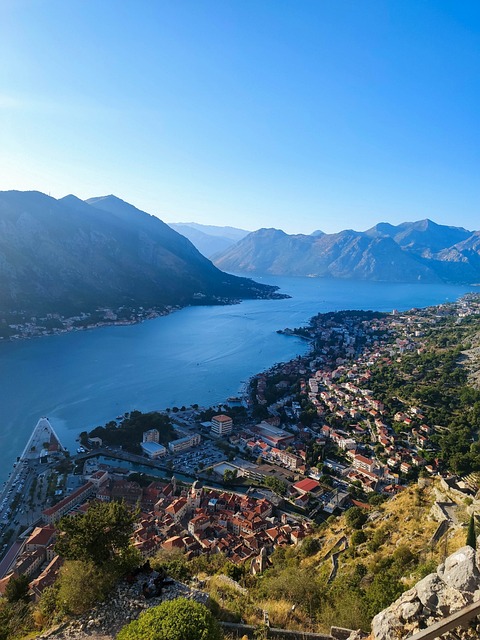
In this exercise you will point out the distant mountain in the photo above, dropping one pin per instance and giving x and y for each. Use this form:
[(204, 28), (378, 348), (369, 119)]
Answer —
[(422, 237), (411, 252), (69, 255), (208, 239)]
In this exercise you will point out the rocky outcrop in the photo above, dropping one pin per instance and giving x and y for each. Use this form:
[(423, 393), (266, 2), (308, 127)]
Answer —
[(455, 584), (126, 603)]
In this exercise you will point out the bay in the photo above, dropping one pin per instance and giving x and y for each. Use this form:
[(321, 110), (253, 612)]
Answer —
[(196, 355)]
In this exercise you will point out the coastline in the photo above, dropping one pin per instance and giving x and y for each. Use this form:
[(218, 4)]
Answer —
[(106, 317)]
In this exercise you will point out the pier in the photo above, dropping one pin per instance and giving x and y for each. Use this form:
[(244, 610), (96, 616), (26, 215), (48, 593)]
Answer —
[(43, 434)]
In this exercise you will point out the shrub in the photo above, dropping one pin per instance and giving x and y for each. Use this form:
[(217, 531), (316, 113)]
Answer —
[(355, 518), (357, 537), (179, 619)]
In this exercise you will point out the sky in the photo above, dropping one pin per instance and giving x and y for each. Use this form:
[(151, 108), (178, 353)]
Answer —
[(294, 114)]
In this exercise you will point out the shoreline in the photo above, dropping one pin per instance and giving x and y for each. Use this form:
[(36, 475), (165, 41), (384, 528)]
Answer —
[(31, 329)]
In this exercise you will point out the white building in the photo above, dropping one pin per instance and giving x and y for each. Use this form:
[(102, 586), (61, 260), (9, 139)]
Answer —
[(153, 450), (184, 443), (222, 425)]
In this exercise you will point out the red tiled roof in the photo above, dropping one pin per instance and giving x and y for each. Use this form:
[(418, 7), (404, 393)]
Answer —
[(306, 485)]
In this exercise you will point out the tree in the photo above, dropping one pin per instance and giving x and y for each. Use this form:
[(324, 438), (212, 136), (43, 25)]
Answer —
[(179, 619), (81, 585), (229, 476), (355, 518), (101, 534), (357, 537), (310, 546), (471, 534), (276, 485), (17, 589)]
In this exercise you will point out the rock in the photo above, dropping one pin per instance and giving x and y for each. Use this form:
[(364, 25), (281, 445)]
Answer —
[(357, 635), (438, 597), (428, 589), (461, 571), (385, 625), (409, 610)]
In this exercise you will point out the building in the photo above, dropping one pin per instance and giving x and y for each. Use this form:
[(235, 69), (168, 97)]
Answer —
[(152, 449), (290, 460), (363, 463), (222, 425), (82, 494), (187, 442), (152, 435), (273, 436), (306, 486)]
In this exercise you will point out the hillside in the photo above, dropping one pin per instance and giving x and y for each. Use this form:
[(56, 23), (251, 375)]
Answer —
[(420, 251), (69, 256), (352, 568)]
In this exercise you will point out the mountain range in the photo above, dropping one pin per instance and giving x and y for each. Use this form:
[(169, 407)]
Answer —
[(70, 255), (421, 251), (209, 239)]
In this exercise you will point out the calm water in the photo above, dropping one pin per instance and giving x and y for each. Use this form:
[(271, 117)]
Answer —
[(197, 355)]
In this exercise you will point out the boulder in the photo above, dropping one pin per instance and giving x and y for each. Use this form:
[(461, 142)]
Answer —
[(386, 625), (461, 572)]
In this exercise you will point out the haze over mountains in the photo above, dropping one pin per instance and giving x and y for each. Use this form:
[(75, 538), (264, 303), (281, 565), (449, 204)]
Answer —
[(69, 256), (209, 239), (421, 251)]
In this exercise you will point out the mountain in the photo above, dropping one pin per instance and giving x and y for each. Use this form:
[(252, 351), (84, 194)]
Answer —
[(348, 254), (420, 251), (209, 239), (69, 256), (422, 237)]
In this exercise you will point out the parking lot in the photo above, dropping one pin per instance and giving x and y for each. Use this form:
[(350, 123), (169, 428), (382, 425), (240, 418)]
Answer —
[(200, 457)]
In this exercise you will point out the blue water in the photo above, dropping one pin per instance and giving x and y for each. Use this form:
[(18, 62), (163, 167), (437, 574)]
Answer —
[(196, 355)]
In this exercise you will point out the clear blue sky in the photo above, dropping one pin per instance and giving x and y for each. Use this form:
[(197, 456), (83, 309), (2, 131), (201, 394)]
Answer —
[(298, 114)]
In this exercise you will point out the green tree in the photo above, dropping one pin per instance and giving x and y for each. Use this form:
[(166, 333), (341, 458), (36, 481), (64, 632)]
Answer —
[(179, 619), (101, 534), (276, 485), (310, 546), (229, 476), (17, 589), (355, 518), (471, 534), (81, 584), (357, 537), (233, 571)]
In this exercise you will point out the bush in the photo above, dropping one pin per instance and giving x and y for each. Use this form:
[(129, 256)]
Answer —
[(355, 518), (310, 546), (357, 537), (179, 619), (403, 556)]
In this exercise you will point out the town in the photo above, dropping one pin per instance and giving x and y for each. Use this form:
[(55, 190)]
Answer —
[(310, 439)]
